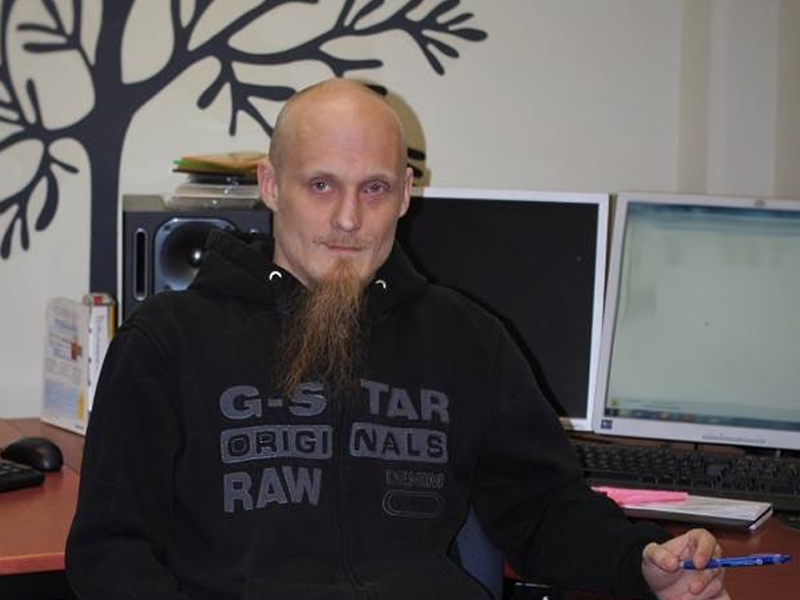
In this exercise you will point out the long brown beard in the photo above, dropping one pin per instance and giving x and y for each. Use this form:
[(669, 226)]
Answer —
[(321, 338)]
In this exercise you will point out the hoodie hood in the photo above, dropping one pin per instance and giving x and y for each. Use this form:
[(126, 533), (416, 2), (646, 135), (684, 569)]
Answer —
[(240, 265)]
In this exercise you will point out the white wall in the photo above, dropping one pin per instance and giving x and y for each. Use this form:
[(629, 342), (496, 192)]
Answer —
[(739, 93), (787, 122), (742, 98), (697, 96)]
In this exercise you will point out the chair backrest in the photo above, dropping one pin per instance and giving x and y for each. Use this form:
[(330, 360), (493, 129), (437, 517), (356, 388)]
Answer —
[(479, 557)]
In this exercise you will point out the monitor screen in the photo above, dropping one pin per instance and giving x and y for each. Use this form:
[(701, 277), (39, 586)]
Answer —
[(702, 327), (530, 258)]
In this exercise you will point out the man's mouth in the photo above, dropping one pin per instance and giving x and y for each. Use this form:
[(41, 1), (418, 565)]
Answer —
[(343, 248)]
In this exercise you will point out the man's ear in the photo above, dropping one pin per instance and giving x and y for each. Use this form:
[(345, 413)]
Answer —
[(267, 183), (408, 183)]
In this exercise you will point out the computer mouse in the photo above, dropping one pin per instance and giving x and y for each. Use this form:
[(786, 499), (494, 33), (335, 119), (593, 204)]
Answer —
[(37, 452)]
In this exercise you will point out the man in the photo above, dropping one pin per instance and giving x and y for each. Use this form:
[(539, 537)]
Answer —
[(314, 420)]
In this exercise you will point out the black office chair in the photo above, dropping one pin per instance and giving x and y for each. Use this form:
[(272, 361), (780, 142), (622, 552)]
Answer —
[(479, 557)]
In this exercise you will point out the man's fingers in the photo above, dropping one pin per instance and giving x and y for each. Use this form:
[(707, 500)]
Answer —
[(704, 547), (697, 546), (709, 580), (661, 557), (713, 589)]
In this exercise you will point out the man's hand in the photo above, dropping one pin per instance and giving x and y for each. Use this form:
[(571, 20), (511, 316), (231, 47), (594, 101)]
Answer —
[(661, 567)]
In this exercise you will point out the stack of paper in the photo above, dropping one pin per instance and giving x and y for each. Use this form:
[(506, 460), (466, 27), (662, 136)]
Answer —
[(217, 180), (688, 508), (241, 164)]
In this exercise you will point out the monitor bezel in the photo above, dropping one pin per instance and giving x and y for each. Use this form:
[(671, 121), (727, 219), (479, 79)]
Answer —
[(663, 430), (603, 203)]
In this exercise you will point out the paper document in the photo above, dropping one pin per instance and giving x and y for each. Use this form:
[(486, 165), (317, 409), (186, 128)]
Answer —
[(705, 510)]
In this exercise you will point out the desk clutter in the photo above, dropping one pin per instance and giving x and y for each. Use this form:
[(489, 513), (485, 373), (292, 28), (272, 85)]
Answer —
[(664, 505), (217, 180), (23, 461), (703, 487), (77, 336), (770, 479), (15, 476)]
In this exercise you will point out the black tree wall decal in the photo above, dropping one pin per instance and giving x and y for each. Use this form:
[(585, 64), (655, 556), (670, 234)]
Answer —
[(102, 129)]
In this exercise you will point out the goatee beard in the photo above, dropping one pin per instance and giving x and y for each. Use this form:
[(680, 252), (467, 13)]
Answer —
[(321, 340)]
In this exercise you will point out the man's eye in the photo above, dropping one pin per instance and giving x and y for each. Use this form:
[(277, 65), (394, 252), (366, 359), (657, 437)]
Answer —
[(377, 187), (320, 186)]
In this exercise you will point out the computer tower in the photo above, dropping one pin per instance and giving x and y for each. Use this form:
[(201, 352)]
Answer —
[(163, 245)]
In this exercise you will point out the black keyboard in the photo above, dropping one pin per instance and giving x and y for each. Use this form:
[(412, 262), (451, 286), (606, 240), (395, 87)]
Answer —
[(14, 476), (702, 472)]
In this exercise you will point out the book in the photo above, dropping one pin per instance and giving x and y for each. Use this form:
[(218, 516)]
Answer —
[(65, 365), (77, 337), (102, 325), (704, 510), (241, 162)]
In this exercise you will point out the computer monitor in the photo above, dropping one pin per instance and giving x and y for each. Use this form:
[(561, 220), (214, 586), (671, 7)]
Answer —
[(534, 259), (702, 328)]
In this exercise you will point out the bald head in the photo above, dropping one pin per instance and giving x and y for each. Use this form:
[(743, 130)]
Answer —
[(333, 99), (336, 180)]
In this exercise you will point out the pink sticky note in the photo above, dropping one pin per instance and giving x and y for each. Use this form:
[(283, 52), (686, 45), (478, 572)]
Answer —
[(635, 496)]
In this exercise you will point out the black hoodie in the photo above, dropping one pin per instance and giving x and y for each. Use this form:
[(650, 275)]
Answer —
[(200, 481)]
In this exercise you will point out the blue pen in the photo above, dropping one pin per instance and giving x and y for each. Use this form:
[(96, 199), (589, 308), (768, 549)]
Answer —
[(752, 560)]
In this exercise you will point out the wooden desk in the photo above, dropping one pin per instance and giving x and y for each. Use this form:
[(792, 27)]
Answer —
[(778, 582), (35, 521)]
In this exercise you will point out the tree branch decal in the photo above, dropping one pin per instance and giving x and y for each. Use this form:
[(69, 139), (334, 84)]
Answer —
[(434, 27)]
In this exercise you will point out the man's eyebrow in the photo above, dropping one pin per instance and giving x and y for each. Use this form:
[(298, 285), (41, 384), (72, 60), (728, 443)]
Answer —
[(316, 173), (387, 176), (380, 179)]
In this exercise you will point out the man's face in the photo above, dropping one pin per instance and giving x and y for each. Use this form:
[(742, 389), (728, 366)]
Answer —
[(339, 188)]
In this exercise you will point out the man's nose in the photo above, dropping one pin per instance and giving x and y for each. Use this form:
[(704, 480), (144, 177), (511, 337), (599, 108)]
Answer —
[(347, 215)]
